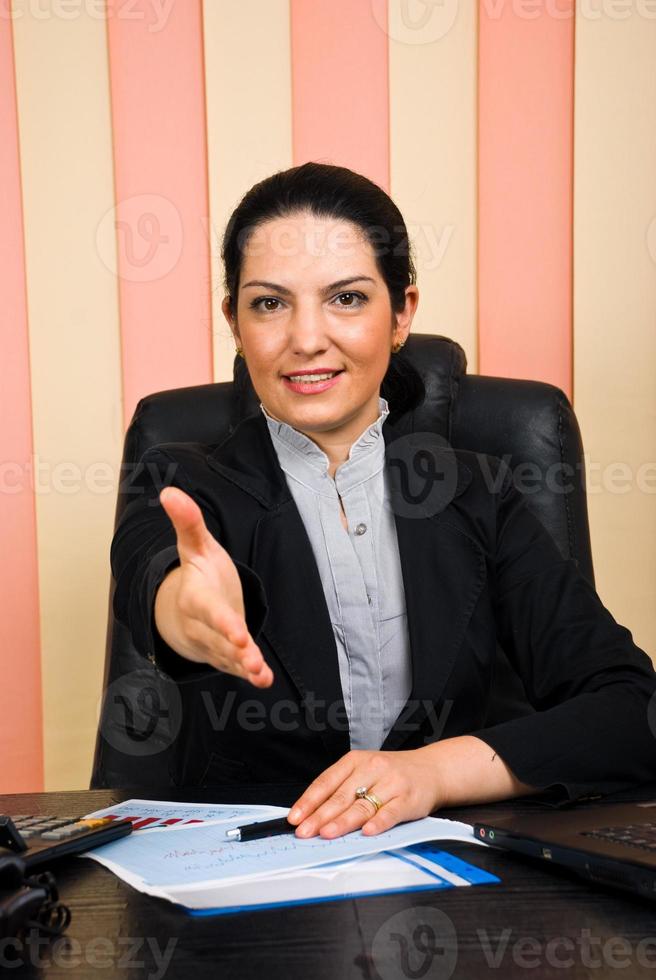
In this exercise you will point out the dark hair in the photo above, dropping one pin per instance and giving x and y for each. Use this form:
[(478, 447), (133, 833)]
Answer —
[(334, 192)]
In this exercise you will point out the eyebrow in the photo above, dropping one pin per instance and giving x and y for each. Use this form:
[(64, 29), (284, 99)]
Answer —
[(327, 289)]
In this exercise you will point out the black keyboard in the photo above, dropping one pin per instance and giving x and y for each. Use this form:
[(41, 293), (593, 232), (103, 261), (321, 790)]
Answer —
[(39, 839), (642, 835)]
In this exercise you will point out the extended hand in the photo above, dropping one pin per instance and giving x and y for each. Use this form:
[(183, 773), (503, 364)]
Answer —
[(199, 607)]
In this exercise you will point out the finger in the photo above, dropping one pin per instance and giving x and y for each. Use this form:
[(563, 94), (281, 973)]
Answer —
[(243, 658), (230, 662), (264, 678), (187, 519), (338, 803), (344, 810), (248, 663), (256, 669), (204, 606), (221, 654), (321, 788), (362, 813), (387, 817), (245, 662)]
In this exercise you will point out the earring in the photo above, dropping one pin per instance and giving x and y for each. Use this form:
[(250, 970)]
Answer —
[(240, 352), (397, 347)]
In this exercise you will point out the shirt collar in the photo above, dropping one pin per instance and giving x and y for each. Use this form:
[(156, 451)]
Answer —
[(302, 458)]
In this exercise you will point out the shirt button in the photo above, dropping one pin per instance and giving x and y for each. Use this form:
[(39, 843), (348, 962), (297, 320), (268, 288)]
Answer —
[(360, 528)]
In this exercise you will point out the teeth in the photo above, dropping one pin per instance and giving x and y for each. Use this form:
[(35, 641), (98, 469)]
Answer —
[(311, 377)]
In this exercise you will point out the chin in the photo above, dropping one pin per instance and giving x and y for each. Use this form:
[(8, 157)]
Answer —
[(315, 421)]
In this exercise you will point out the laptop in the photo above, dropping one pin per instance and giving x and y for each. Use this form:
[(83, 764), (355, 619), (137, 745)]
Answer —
[(612, 844)]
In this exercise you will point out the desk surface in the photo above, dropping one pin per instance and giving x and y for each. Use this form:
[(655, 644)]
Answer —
[(537, 923)]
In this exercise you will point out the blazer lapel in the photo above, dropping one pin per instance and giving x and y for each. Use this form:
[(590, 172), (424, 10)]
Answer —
[(298, 625), (443, 571)]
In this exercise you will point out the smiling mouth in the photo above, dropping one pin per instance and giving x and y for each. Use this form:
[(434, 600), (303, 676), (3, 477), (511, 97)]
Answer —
[(312, 378)]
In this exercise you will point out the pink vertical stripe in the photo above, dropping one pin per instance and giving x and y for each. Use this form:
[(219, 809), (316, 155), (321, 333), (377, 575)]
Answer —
[(526, 83), (340, 100), (160, 158), (21, 720)]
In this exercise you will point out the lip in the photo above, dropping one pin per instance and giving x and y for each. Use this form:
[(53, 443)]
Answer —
[(311, 387), (319, 370)]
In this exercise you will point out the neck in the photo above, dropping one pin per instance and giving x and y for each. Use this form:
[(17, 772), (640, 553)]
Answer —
[(337, 452), (336, 443)]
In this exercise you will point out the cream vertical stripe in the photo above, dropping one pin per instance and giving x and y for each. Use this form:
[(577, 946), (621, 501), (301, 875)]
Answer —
[(249, 134), (433, 80), (615, 303), (64, 125)]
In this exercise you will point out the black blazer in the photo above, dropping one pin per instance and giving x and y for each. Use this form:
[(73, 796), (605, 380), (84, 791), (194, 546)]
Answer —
[(480, 568)]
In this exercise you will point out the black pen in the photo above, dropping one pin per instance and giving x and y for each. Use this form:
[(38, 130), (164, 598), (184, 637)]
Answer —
[(265, 828)]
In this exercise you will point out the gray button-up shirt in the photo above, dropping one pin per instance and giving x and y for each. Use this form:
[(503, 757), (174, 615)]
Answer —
[(360, 570)]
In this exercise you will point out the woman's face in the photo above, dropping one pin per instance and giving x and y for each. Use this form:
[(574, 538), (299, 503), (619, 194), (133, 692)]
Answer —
[(311, 297)]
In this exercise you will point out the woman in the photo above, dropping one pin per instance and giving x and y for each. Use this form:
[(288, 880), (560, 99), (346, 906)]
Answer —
[(281, 564)]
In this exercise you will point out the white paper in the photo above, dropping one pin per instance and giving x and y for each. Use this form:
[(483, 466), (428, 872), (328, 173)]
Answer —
[(188, 856), (193, 863), (163, 810), (362, 876)]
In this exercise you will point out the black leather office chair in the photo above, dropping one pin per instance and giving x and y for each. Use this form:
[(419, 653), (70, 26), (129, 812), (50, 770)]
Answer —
[(527, 423)]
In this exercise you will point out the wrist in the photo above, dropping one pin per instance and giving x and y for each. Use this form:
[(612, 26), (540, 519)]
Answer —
[(165, 608), (435, 756)]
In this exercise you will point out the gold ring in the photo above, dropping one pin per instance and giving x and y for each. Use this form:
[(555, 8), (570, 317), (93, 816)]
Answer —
[(362, 793)]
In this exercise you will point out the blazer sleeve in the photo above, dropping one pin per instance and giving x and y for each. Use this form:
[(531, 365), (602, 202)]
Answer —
[(594, 728), (144, 550)]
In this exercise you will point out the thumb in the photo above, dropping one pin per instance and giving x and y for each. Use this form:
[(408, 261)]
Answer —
[(187, 519)]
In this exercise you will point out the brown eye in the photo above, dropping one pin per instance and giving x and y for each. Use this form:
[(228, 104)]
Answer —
[(256, 304), (355, 300)]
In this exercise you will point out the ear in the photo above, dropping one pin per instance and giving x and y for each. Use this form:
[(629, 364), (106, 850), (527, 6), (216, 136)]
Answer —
[(403, 319), (232, 322)]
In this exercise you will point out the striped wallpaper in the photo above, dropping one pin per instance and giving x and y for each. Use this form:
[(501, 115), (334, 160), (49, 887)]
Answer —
[(518, 137)]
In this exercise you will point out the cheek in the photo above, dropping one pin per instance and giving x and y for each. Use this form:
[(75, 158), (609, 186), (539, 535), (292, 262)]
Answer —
[(264, 354), (374, 350)]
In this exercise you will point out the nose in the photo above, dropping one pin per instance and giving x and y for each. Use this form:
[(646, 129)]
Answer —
[(308, 331)]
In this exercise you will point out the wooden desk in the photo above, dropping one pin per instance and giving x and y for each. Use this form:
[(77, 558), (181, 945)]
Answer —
[(538, 916)]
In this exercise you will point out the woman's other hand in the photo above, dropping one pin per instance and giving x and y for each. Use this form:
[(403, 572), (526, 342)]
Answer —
[(199, 606), (456, 771), (406, 783)]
